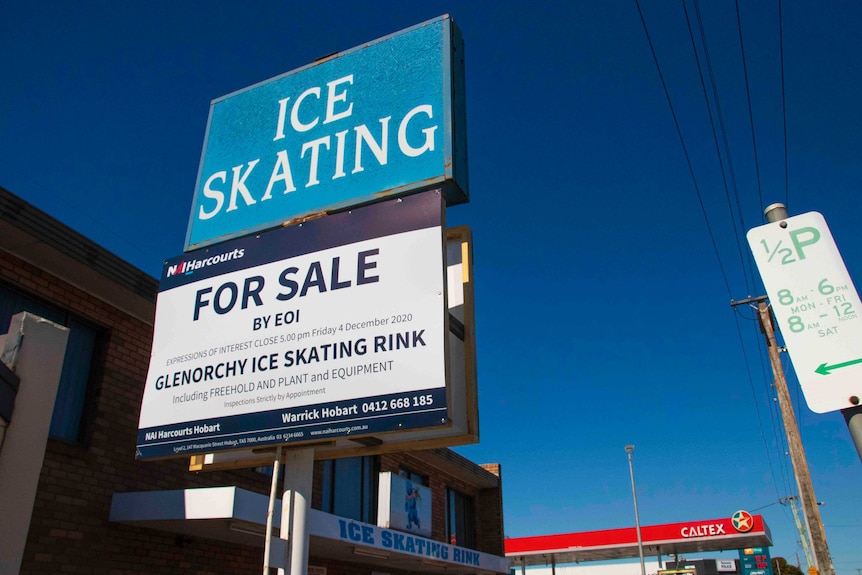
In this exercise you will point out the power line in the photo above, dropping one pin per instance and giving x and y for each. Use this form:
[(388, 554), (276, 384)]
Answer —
[(783, 102), (746, 270), (778, 430), (778, 437), (684, 149), (700, 197), (732, 172), (750, 110), (756, 405), (764, 506)]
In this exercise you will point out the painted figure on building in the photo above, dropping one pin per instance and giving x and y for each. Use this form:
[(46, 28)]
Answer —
[(411, 505)]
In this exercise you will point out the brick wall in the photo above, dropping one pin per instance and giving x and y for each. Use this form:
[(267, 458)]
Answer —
[(490, 502), (69, 531)]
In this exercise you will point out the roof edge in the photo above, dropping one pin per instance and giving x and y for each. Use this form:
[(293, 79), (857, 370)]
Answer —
[(33, 236)]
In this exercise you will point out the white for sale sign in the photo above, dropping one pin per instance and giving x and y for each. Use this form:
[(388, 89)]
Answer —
[(331, 328)]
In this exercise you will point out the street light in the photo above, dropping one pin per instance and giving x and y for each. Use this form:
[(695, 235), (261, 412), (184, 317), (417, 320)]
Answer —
[(629, 450)]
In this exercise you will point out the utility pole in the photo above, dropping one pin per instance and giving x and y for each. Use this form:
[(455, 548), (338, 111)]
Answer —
[(804, 537), (797, 453), (629, 450)]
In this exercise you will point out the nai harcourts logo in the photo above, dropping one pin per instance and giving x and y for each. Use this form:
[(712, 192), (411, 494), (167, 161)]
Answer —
[(186, 267)]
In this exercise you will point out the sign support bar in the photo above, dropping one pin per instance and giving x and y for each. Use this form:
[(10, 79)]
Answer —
[(853, 417), (295, 509), (270, 509)]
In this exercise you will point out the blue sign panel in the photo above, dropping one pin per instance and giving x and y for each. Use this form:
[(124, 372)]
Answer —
[(383, 119)]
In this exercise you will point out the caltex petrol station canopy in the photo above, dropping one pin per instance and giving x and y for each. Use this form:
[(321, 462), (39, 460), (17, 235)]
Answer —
[(740, 531)]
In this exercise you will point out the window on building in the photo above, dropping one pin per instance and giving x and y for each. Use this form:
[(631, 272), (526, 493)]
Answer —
[(350, 488), (71, 404), (460, 519), (413, 476)]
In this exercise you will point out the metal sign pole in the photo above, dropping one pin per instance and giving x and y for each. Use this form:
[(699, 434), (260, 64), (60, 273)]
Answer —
[(295, 509), (268, 541), (853, 417)]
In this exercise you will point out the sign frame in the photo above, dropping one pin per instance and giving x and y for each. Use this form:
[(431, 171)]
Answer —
[(463, 401), (396, 226)]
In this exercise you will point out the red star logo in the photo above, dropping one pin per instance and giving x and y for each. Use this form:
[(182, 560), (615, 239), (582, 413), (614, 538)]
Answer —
[(742, 521)]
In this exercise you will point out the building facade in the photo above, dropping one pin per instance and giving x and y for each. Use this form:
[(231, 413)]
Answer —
[(79, 522)]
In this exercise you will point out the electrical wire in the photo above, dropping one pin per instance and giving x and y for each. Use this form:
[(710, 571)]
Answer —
[(774, 419), (777, 425), (783, 102), (684, 150), (765, 506), (750, 110), (778, 436), (740, 213), (757, 407), (712, 121)]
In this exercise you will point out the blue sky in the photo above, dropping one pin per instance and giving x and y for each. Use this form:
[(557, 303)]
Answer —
[(603, 313)]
